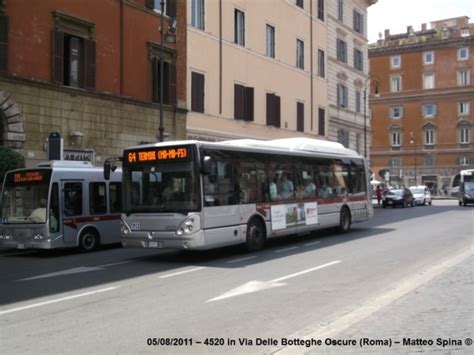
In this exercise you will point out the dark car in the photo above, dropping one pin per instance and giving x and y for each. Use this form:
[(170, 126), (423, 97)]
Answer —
[(466, 193), (398, 197)]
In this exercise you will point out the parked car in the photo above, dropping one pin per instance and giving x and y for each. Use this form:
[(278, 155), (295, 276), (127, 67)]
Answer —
[(421, 194), (398, 197), (466, 193)]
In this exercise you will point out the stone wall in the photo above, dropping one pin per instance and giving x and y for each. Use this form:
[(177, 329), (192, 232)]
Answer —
[(30, 111)]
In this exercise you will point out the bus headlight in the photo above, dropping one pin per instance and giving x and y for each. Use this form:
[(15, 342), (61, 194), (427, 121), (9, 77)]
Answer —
[(1, 236), (7, 236), (189, 226)]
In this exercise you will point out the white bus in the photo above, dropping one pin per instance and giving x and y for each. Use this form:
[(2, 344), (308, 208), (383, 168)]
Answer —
[(60, 204), (202, 195)]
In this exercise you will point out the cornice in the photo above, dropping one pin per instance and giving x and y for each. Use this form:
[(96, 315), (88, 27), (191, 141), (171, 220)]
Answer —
[(422, 95), (376, 51)]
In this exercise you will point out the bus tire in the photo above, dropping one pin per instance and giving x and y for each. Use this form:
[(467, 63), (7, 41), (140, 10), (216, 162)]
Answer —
[(345, 220), (255, 238), (89, 240)]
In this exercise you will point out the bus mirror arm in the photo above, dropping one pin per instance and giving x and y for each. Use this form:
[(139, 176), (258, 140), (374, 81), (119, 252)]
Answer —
[(110, 166)]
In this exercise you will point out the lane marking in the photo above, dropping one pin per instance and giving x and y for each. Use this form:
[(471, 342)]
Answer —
[(76, 270), (241, 259), (57, 300), (255, 286), (378, 302), (313, 243), (306, 271), (286, 249), (117, 263), (181, 272)]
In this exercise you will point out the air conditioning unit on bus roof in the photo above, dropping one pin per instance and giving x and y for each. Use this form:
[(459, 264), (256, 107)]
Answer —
[(300, 144), (65, 164)]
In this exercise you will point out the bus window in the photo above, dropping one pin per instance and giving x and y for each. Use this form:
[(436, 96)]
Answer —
[(54, 209), (72, 199), (115, 195), (219, 188), (97, 198)]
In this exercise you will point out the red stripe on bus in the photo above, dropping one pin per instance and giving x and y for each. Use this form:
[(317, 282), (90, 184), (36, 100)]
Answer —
[(72, 222), (321, 201)]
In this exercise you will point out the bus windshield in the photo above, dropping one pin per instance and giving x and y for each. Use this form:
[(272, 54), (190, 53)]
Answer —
[(161, 187), (25, 196)]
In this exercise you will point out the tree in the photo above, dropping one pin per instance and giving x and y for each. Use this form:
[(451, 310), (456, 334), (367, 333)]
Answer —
[(9, 160)]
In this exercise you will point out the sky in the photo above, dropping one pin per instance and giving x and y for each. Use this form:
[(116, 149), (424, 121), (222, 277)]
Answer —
[(396, 15)]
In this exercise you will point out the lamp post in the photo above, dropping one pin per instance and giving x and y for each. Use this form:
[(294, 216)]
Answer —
[(413, 141), (162, 128), (376, 81)]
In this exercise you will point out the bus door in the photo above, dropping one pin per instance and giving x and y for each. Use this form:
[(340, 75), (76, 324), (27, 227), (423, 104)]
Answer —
[(72, 209)]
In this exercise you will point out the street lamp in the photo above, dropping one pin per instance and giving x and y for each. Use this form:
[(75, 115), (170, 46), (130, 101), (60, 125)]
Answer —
[(376, 81), (413, 141), (162, 128), (169, 38)]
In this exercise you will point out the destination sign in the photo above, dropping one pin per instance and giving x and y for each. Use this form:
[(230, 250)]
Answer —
[(157, 154), (28, 177)]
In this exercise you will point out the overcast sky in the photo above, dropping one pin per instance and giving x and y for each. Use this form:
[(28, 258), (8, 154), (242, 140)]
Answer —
[(396, 15)]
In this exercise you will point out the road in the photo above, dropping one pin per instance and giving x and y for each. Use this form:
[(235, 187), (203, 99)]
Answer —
[(405, 276)]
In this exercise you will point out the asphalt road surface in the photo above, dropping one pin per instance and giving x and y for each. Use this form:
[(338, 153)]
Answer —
[(401, 282)]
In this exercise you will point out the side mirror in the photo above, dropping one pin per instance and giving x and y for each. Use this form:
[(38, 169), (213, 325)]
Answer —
[(109, 166), (207, 165)]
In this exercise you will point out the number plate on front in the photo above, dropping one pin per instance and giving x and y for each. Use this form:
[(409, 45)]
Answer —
[(135, 226), (21, 246), (155, 244)]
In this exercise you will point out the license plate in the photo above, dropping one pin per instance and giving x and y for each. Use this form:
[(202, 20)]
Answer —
[(390, 202), (21, 246), (155, 244)]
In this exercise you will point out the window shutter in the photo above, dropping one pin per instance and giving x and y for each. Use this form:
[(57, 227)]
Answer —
[(3, 42), (300, 116), (58, 57), (155, 83), (239, 94), (248, 104), (435, 110), (321, 126), (89, 67), (401, 112), (172, 84), (197, 92), (171, 8), (270, 110), (277, 111), (150, 4)]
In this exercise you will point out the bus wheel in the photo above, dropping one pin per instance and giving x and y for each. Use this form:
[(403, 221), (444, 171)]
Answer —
[(345, 220), (255, 235), (89, 240)]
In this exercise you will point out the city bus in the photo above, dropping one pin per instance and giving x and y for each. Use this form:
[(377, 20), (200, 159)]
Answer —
[(466, 187), (60, 204), (197, 195)]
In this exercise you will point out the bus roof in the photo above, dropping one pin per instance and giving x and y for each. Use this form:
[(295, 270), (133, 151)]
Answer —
[(300, 144)]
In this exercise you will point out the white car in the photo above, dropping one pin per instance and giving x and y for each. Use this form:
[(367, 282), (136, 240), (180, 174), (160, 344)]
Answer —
[(421, 194)]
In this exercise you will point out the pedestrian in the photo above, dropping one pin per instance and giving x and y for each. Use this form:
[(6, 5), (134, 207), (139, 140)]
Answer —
[(378, 193)]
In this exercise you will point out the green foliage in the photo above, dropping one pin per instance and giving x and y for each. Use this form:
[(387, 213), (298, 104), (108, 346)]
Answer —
[(9, 160)]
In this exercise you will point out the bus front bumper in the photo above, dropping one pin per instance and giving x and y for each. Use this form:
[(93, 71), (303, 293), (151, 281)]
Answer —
[(164, 240)]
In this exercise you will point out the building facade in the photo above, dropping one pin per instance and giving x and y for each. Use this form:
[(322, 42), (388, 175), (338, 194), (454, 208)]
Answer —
[(348, 73), (256, 69), (89, 70), (423, 121)]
